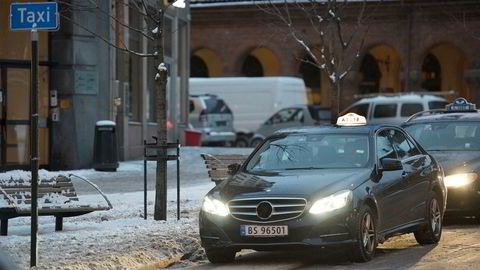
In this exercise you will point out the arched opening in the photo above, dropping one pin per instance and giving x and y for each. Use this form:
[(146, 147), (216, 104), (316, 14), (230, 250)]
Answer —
[(432, 73), (252, 67), (448, 64), (198, 67), (312, 77), (371, 75), (381, 67), (206, 63)]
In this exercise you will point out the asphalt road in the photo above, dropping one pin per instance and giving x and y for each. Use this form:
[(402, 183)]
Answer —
[(459, 248)]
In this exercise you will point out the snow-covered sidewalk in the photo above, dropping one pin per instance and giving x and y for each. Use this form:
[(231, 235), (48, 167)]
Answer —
[(116, 239)]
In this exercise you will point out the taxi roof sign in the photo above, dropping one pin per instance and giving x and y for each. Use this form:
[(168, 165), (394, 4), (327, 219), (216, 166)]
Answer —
[(461, 104), (351, 119)]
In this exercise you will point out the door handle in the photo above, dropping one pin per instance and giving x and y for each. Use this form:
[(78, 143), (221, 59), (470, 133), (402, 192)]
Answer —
[(404, 174)]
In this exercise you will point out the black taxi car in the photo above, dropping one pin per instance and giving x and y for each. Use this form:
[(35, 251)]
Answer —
[(351, 185), (452, 136)]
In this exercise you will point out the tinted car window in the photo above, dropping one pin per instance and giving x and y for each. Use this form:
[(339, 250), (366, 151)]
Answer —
[(385, 110), (432, 105), (319, 113), (216, 106), (361, 109), (384, 146), (312, 151), (404, 148), (409, 109), (282, 116), (447, 136)]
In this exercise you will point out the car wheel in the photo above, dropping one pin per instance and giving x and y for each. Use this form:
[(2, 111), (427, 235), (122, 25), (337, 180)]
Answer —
[(431, 233), (366, 233), (220, 255), (256, 142), (241, 142)]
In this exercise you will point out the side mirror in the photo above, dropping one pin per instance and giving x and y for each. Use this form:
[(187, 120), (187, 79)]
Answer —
[(391, 164), (232, 169)]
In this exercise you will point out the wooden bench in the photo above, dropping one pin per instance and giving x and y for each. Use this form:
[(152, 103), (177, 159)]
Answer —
[(56, 197), (217, 165)]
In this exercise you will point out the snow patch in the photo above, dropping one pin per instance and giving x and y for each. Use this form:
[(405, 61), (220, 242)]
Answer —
[(155, 30), (105, 123)]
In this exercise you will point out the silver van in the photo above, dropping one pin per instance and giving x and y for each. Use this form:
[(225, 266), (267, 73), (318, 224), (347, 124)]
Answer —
[(211, 115), (394, 109)]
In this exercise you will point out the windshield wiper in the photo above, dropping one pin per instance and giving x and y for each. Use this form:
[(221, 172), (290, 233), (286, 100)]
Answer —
[(304, 168)]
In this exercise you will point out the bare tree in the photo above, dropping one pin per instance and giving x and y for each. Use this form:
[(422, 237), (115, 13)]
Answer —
[(340, 29), (153, 13)]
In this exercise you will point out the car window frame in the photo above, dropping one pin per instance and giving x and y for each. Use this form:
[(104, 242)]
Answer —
[(379, 164)]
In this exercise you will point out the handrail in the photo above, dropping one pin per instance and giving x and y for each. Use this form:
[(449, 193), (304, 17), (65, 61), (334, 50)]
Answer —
[(8, 197), (95, 186)]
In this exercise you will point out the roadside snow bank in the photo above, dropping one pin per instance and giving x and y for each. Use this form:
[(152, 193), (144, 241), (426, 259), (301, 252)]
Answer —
[(115, 239)]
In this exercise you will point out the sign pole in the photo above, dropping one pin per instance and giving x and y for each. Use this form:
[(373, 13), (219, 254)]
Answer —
[(33, 151)]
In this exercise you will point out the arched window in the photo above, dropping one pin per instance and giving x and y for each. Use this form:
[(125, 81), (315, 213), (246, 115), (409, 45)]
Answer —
[(310, 73), (432, 73), (198, 67), (252, 67), (371, 75)]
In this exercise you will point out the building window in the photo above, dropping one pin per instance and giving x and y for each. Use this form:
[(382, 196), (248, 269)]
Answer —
[(371, 75), (431, 70), (252, 67)]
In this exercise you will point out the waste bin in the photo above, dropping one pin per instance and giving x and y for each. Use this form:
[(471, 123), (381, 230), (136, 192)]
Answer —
[(105, 154), (193, 137)]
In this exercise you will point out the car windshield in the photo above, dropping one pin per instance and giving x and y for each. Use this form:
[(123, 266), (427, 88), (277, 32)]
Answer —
[(447, 136), (312, 151)]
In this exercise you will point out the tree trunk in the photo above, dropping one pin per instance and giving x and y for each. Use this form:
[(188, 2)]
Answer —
[(335, 100), (160, 88)]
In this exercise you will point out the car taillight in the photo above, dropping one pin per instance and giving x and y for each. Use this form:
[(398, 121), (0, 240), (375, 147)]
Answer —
[(203, 116)]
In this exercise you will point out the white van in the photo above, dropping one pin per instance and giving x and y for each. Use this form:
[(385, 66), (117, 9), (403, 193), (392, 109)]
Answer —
[(394, 110), (252, 99)]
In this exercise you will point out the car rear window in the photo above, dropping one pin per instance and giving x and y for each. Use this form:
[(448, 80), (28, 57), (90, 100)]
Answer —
[(361, 109), (432, 105), (320, 114), (409, 109), (385, 110), (215, 105)]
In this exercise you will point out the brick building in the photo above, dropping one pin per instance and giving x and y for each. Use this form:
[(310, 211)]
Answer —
[(410, 46)]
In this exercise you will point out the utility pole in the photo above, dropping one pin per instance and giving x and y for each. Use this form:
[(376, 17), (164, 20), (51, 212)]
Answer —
[(161, 105)]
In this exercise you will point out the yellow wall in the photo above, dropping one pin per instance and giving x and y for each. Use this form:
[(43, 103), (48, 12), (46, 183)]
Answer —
[(212, 60), (390, 67), (453, 65), (269, 61)]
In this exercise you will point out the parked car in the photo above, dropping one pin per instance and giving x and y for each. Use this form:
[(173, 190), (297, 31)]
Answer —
[(352, 185), (252, 100), (212, 116), (394, 110), (294, 116)]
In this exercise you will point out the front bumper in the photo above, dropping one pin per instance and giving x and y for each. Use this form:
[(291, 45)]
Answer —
[(306, 231), (463, 201), (218, 136)]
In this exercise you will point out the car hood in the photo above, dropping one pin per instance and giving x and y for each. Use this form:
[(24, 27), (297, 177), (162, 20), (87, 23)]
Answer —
[(305, 183), (457, 162)]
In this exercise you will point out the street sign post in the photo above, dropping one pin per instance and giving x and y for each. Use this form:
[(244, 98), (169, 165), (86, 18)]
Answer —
[(38, 16), (33, 17)]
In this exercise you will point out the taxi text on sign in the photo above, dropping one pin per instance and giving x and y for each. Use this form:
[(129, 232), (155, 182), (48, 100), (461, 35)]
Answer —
[(30, 16)]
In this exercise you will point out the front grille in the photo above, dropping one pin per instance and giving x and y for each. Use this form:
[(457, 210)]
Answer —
[(283, 209)]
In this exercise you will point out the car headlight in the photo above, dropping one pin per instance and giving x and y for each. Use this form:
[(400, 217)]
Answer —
[(332, 202), (460, 180), (214, 206)]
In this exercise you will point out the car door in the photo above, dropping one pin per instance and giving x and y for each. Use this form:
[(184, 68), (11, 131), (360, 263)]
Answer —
[(418, 169), (390, 191)]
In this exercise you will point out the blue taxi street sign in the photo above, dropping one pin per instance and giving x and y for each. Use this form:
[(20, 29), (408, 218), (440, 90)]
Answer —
[(34, 16)]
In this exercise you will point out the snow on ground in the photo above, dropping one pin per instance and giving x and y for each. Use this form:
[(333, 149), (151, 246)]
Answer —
[(116, 239)]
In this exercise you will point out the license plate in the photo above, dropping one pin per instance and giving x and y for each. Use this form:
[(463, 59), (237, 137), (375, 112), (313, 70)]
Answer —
[(263, 231)]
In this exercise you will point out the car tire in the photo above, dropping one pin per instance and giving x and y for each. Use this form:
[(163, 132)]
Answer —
[(363, 249), (220, 255), (241, 142), (432, 231), (256, 142)]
